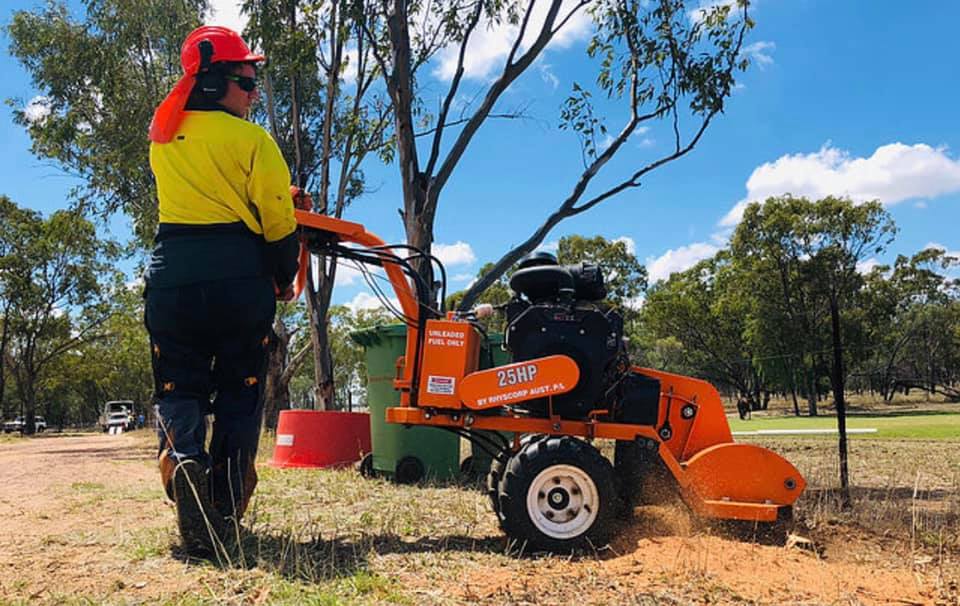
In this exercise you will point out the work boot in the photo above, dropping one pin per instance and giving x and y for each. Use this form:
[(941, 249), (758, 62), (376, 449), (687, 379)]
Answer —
[(202, 529)]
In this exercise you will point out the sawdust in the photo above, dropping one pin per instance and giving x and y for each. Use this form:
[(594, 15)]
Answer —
[(665, 553)]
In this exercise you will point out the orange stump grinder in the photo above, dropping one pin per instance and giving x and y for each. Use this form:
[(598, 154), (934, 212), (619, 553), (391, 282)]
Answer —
[(571, 381)]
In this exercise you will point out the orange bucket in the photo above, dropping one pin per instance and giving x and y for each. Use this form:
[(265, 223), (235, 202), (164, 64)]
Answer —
[(320, 438)]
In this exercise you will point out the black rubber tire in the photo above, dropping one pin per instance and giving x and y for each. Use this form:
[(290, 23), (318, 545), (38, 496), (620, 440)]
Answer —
[(366, 466), (496, 471), (409, 470), (523, 468)]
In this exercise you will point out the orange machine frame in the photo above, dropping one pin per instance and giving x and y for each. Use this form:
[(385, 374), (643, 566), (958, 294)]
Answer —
[(717, 477)]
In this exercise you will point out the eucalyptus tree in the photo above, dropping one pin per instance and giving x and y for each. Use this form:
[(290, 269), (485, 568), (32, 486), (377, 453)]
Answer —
[(844, 235), (15, 231), (701, 311), (770, 246), (57, 279), (812, 251), (897, 303), (329, 118), (661, 61), (100, 75)]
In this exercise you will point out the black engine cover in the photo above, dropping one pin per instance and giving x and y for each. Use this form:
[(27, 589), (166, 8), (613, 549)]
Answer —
[(591, 337)]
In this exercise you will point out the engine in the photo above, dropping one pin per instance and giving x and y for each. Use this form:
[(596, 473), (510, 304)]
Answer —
[(557, 309)]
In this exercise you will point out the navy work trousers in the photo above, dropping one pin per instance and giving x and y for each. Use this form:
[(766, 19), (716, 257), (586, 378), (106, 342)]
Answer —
[(209, 342)]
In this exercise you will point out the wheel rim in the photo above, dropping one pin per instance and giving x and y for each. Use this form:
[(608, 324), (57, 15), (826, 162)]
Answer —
[(563, 502)]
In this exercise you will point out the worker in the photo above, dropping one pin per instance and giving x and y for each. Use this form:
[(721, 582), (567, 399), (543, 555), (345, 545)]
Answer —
[(225, 247)]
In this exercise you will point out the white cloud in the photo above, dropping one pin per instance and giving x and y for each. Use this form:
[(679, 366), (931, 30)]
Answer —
[(699, 14), (365, 300), (894, 173), (454, 254), (462, 277), (227, 14), (635, 303), (489, 44), (551, 247), (351, 57), (37, 109), (949, 253), (347, 274), (547, 75), (678, 259), (759, 53), (867, 265), (629, 243)]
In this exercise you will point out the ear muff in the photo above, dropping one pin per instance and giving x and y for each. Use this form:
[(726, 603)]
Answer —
[(213, 85), (210, 80)]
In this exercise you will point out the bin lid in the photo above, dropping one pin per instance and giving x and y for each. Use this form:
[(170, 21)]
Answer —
[(368, 337)]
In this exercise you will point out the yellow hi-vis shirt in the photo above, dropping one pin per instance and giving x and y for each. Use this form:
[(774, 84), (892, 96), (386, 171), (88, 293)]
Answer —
[(222, 169)]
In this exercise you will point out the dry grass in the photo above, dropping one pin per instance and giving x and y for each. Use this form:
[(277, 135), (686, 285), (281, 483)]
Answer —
[(907, 489), (332, 537)]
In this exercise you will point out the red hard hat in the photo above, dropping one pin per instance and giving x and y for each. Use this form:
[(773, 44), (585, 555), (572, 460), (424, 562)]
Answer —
[(224, 45), (227, 46)]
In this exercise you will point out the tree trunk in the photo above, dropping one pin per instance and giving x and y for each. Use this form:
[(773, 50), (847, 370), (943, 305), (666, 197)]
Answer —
[(793, 391), (28, 402), (836, 379), (812, 391), (318, 304), (276, 394), (4, 337)]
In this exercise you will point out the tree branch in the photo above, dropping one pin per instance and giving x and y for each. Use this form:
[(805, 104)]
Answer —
[(510, 73), (294, 365), (458, 75)]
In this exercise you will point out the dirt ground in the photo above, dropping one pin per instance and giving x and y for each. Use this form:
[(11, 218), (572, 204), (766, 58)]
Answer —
[(84, 520)]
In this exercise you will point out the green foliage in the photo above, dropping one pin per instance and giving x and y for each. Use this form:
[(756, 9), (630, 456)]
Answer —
[(624, 276), (912, 322), (113, 366), (666, 62), (701, 313), (659, 57), (756, 318), (350, 377), (55, 281), (100, 79)]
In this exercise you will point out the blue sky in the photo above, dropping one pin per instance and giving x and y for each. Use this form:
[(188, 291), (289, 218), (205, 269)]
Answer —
[(855, 98)]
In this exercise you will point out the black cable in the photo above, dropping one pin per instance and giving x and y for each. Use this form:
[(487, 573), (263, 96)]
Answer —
[(363, 260), (416, 276), (433, 259), (380, 258), (488, 447), (420, 291)]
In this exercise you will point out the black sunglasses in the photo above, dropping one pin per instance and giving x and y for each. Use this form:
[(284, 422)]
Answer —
[(245, 83)]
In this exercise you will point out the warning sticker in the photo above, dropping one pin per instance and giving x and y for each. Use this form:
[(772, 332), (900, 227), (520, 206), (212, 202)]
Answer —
[(284, 439), (440, 385)]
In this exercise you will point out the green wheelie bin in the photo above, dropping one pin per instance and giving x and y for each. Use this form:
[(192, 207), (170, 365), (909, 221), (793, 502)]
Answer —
[(403, 454)]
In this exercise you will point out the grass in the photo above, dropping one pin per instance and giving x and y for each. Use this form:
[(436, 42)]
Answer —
[(329, 537), (929, 425)]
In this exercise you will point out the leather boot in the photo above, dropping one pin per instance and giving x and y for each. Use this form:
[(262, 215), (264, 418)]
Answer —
[(203, 530)]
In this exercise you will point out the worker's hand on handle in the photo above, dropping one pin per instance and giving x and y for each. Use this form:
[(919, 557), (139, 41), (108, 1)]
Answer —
[(301, 198)]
